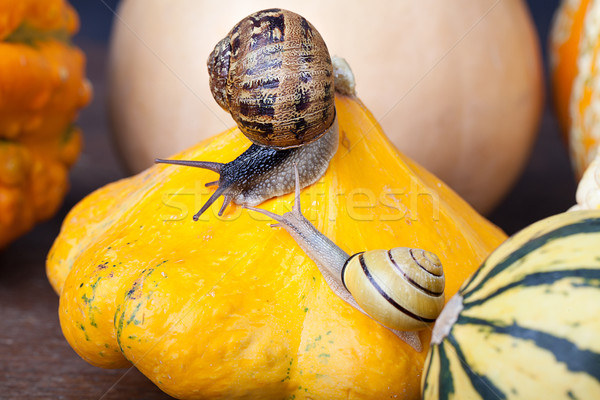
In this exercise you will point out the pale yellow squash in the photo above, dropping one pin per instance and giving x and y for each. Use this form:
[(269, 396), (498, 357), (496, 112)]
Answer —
[(457, 85)]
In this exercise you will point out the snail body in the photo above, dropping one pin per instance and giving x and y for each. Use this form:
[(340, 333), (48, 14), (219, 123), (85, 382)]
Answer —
[(402, 288), (274, 75), (262, 172)]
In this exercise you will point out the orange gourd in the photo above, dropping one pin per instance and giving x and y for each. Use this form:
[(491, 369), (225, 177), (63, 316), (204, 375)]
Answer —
[(564, 47), (42, 87), (229, 307), (574, 51)]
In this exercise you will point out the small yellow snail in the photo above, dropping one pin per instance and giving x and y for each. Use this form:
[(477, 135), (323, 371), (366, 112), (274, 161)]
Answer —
[(402, 288), (274, 75)]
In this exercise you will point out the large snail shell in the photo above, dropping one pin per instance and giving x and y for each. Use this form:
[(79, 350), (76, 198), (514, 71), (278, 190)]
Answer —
[(273, 74), (402, 288)]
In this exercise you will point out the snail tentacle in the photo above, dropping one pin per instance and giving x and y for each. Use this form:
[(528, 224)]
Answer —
[(284, 219), (213, 166), (221, 190)]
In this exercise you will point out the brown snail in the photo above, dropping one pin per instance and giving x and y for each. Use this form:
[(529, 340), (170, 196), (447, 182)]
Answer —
[(402, 288), (274, 75)]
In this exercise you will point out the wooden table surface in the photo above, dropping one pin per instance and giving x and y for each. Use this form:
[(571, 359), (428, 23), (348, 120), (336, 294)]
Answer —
[(35, 360)]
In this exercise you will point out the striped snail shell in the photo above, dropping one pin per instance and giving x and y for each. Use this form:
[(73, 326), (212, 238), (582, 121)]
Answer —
[(402, 288), (274, 75)]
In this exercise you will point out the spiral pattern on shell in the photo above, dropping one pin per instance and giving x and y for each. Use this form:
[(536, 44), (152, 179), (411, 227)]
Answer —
[(273, 74), (401, 288)]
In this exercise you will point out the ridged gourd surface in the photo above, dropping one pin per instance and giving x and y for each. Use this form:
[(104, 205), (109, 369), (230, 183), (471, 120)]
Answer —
[(529, 327), (42, 88)]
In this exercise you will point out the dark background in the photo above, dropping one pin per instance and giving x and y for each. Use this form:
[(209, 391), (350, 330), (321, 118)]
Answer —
[(36, 361)]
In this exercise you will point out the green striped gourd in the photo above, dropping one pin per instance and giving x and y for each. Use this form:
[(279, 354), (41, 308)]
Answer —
[(526, 325)]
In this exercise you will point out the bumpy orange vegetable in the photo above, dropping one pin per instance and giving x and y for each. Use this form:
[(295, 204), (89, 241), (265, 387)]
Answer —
[(42, 87), (229, 307), (574, 51), (564, 48)]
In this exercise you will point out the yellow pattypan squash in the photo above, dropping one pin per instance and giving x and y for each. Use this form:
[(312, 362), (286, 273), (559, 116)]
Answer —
[(42, 88), (232, 308)]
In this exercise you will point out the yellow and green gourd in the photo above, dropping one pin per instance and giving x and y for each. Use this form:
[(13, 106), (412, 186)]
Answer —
[(526, 324)]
